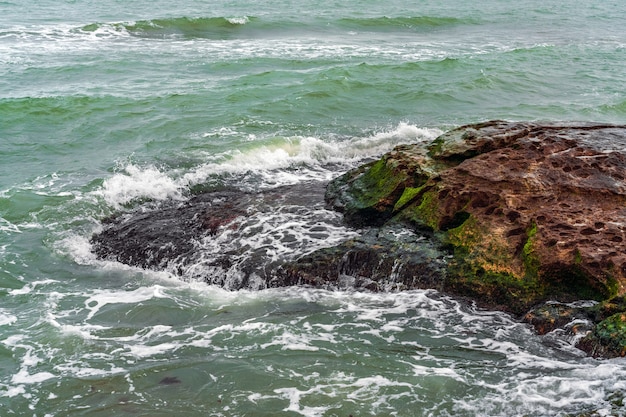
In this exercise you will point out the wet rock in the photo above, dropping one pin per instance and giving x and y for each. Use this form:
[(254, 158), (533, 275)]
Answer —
[(608, 338), (167, 234), (530, 212), (202, 238), (391, 258), (219, 236), (551, 316)]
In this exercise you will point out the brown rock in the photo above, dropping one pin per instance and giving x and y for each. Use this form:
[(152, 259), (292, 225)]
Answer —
[(531, 212)]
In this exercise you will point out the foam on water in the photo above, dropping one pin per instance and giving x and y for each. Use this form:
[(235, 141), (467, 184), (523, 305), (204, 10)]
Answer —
[(264, 238), (8, 227), (6, 318), (286, 161), (139, 183), (312, 153), (393, 352)]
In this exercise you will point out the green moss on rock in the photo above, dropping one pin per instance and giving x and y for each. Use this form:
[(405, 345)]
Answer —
[(608, 339), (529, 256), (378, 183), (408, 195)]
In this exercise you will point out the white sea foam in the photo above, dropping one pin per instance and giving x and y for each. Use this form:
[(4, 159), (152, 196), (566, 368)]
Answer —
[(344, 349), (277, 235), (272, 162), (284, 162), (102, 298), (6, 318), (29, 359), (29, 287), (78, 248), (238, 20), (139, 183), (8, 227)]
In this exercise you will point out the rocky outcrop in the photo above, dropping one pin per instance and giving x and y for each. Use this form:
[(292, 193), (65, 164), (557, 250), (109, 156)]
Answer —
[(173, 236), (530, 212), (510, 215)]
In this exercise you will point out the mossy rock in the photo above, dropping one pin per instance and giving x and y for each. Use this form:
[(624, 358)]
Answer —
[(371, 194), (524, 214), (608, 339)]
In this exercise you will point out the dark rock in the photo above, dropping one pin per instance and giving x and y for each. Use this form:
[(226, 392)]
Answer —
[(608, 338), (170, 380), (386, 259), (173, 236), (551, 316), (166, 235)]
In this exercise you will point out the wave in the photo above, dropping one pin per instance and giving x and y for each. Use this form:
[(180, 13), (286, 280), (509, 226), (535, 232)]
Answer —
[(186, 27), (409, 23), (617, 108), (224, 27), (266, 163)]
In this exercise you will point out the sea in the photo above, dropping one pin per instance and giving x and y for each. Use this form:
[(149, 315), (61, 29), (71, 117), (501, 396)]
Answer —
[(114, 106)]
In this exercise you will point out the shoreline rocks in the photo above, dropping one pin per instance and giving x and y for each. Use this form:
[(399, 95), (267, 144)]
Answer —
[(509, 215), (529, 212)]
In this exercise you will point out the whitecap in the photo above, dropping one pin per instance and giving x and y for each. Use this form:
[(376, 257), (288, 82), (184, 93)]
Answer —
[(290, 160), (135, 183), (238, 20)]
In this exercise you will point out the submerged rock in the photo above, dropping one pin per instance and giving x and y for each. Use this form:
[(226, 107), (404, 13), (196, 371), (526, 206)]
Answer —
[(219, 236), (386, 259), (224, 238)]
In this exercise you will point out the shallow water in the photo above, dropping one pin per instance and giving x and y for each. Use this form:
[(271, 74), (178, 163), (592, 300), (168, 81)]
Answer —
[(108, 106)]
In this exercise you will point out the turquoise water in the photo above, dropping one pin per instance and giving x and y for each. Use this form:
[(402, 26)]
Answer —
[(109, 105)]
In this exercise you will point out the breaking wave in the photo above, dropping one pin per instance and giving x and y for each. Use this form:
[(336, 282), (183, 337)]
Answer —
[(188, 27), (270, 163)]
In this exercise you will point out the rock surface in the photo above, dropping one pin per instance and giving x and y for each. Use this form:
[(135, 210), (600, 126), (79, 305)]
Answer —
[(510, 215), (530, 212), (173, 236)]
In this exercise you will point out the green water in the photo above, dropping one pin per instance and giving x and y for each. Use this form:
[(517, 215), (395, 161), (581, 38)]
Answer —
[(105, 106)]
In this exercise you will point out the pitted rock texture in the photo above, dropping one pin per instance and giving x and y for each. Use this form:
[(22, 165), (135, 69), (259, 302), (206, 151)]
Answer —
[(531, 212), (568, 181)]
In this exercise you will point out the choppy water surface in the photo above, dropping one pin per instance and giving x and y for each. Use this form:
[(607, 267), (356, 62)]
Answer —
[(108, 106)]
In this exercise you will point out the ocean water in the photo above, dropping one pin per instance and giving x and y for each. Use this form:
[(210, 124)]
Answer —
[(109, 106)]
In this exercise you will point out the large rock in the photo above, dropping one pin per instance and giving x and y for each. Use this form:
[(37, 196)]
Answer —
[(211, 237), (510, 215), (531, 212)]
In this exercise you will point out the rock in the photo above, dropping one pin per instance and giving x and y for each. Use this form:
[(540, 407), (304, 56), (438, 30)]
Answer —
[(170, 237), (510, 215), (193, 239), (608, 338), (530, 212), (391, 258), (551, 316), (167, 235)]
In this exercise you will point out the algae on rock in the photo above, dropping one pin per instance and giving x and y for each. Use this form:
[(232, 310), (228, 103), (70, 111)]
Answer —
[(503, 198)]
